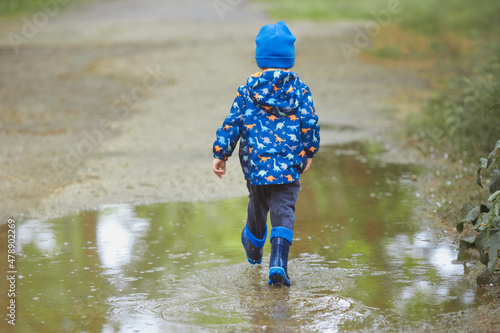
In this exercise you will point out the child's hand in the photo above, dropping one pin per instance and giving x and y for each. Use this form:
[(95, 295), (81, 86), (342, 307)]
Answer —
[(219, 167), (308, 164)]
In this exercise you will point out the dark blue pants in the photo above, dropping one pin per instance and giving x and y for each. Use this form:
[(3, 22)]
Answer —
[(278, 199)]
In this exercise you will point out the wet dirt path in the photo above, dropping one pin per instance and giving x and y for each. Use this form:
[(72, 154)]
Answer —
[(117, 102)]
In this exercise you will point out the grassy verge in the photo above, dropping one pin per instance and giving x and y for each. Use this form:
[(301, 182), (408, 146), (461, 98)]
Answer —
[(20, 7)]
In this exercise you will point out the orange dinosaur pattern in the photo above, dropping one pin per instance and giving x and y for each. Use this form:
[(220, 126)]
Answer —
[(270, 179), (278, 139), (263, 159)]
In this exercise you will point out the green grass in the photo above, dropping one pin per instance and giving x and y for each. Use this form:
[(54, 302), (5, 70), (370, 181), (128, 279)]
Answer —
[(386, 52), (9, 7), (19, 7), (464, 115), (467, 18)]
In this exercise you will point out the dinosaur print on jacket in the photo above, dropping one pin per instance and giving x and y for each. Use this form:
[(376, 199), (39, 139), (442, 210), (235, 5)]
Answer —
[(273, 117)]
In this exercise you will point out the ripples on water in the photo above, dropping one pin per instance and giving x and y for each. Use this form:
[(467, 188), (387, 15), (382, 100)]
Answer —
[(361, 260)]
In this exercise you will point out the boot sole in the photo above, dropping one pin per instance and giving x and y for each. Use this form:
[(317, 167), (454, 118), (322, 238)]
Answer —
[(253, 262), (277, 275)]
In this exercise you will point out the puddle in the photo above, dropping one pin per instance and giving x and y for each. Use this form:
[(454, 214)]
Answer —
[(361, 260)]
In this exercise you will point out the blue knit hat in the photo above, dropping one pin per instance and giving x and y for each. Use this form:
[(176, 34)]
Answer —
[(275, 46)]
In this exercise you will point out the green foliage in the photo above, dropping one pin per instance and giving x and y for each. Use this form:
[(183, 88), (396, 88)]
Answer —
[(488, 163), (468, 18), (465, 113), (485, 219), (16, 6)]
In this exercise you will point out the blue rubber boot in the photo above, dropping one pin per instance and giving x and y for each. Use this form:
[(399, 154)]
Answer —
[(253, 246), (281, 239)]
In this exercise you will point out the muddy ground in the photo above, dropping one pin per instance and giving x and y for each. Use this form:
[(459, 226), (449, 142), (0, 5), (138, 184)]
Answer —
[(118, 102)]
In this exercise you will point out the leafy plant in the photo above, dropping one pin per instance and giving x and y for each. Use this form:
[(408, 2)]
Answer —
[(463, 116), (485, 219)]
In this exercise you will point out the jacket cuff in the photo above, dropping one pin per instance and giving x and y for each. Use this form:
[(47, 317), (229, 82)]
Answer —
[(220, 157)]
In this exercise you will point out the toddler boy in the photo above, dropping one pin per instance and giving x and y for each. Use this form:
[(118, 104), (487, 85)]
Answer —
[(273, 117)]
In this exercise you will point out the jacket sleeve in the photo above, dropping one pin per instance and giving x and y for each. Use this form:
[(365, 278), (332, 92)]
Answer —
[(309, 124), (229, 133)]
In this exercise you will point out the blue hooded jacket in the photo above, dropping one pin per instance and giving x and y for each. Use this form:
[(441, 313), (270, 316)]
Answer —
[(273, 116)]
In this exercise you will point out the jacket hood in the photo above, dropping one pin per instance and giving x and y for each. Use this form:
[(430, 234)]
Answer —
[(276, 92)]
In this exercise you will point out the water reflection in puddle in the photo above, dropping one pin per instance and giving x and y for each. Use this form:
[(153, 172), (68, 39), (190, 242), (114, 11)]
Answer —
[(361, 260)]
